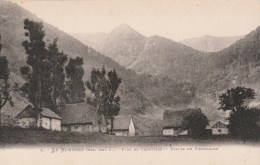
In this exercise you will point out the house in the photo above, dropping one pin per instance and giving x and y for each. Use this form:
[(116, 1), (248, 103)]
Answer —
[(175, 123), (124, 126), (48, 119), (219, 128), (80, 118)]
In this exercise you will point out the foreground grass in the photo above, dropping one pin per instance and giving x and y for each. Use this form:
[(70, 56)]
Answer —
[(34, 137)]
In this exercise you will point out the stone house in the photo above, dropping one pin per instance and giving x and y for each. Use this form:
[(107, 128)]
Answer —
[(80, 117), (27, 118)]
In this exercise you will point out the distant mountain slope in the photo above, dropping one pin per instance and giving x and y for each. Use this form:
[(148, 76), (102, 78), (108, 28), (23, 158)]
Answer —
[(237, 65), (210, 43), (138, 92), (162, 56)]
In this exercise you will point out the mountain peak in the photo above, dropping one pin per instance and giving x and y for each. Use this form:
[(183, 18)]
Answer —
[(124, 26), (125, 29)]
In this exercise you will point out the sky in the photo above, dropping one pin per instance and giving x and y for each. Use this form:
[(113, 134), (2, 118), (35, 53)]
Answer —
[(174, 19)]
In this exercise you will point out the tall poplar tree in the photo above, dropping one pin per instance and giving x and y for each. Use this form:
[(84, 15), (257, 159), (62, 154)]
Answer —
[(37, 62)]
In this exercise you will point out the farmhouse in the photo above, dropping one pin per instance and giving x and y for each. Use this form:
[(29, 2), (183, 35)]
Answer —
[(48, 119), (219, 128), (174, 123), (80, 118), (124, 126)]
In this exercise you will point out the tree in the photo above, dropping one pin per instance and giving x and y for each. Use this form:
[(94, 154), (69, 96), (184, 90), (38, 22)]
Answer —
[(235, 98), (196, 123), (57, 61), (242, 119), (45, 75), (104, 86), (35, 48), (75, 84), (243, 123), (38, 64), (4, 84)]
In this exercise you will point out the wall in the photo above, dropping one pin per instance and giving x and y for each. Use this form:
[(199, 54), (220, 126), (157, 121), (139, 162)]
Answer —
[(27, 122), (219, 131), (183, 133), (168, 132), (55, 124), (65, 128), (45, 123), (80, 128), (121, 133), (131, 128)]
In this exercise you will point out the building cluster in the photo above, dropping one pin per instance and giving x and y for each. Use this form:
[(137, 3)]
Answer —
[(81, 118)]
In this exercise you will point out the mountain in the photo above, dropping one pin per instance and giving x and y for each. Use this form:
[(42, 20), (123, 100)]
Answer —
[(237, 65), (210, 73), (153, 55), (123, 44), (162, 56), (139, 93), (210, 43)]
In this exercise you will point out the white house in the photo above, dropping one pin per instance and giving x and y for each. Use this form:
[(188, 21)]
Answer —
[(174, 123), (80, 118), (48, 119), (219, 128), (124, 126)]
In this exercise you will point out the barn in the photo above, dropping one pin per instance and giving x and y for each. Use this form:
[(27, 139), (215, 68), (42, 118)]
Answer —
[(174, 123), (124, 126), (80, 118), (219, 128), (48, 119)]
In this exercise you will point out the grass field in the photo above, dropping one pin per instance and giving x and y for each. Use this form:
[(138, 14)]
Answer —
[(33, 137)]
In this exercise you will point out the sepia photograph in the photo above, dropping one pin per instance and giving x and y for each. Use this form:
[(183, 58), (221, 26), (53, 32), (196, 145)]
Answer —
[(107, 80)]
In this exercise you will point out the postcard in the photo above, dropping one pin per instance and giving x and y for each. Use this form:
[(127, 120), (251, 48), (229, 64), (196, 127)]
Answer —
[(130, 82)]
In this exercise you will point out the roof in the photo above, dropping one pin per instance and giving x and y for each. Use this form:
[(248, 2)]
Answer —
[(30, 112), (49, 113), (176, 119), (143, 126), (212, 123), (219, 124), (122, 122), (146, 127), (79, 113)]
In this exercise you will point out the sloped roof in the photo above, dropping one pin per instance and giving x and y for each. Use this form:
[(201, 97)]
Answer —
[(146, 126), (212, 123), (219, 124), (176, 119), (143, 126), (30, 112), (122, 122), (49, 113), (77, 113)]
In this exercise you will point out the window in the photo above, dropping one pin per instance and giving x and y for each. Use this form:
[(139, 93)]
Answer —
[(219, 130)]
